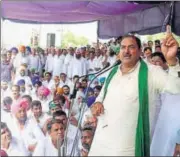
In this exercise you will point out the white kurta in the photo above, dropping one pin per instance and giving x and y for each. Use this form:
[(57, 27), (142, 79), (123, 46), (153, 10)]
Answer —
[(16, 149), (27, 80), (67, 65), (20, 60), (116, 129), (49, 65), (46, 148), (29, 135), (58, 65), (78, 67), (35, 63)]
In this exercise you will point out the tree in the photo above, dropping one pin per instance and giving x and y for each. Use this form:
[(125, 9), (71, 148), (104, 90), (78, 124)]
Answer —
[(68, 38)]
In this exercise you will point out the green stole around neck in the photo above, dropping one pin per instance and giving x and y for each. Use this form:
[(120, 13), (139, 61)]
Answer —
[(142, 143)]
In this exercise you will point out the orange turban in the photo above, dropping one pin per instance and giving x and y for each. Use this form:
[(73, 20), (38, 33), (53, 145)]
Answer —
[(22, 48), (60, 91)]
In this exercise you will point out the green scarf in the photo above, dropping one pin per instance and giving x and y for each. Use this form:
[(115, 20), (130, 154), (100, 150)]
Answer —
[(142, 143)]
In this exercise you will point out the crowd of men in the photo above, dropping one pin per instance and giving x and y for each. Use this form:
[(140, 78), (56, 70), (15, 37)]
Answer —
[(42, 96)]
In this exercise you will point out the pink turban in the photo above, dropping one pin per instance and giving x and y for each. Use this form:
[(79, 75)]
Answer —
[(3, 153), (21, 104), (43, 91)]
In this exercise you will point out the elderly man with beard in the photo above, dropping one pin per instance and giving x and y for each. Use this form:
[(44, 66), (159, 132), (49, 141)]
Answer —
[(78, 64), (23, 76), (22, 128), (10, 144), (54, 141)]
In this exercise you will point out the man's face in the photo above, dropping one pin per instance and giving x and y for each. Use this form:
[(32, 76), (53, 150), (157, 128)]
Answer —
[(98, 52), (78, 56), (56, 80), (158, 49), (21, 115), (96, 92), (5, 135), (33, 51), (22, 72), (63, 77), (156, 60), (84, 84), (48, 77), (91, 55), (4, 86), (129, 51), (52, 50), (150, 44), (57, 132), (15, 91), (71, 51), (86, 138), (147, 53), (9, 55), (63, 119), (58, 52), (37, 111), (66, 90), (54, 109)]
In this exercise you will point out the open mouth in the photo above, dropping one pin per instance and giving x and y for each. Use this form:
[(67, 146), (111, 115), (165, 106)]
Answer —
[(127, 56)]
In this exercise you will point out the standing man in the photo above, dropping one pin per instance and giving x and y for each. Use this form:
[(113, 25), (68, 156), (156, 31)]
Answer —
[(133, 108), (58, 63)]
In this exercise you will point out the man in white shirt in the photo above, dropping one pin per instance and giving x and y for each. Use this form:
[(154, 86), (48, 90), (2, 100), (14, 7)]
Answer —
[(72, 129), (10, 144), (123, 135), (48, 82), (16, 96), (64, 80), (38, 116), (91, 62), (58, 63), (78, 64), (22, 74), (21, 58), (54, 142), (67, 63), (22, 128), (86, 140), (98, 60), (50, 60), (5, 91), (34, 61)]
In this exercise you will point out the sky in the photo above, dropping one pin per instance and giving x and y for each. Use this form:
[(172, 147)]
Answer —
[(14, 34)]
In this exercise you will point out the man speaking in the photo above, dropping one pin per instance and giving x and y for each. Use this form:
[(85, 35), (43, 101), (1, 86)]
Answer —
[(126, 105)]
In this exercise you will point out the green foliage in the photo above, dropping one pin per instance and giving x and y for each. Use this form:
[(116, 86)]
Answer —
[(70, 38)]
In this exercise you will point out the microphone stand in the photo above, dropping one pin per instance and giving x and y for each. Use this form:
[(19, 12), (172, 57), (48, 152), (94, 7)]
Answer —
[(72, 97), (85, 102)]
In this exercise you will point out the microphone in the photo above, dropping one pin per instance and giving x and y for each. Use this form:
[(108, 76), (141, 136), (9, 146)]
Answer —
[(85, 100), (73, 95)]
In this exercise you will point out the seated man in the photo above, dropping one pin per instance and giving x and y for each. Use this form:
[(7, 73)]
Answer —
[(38, 116), (10, 144), (158, 59), (86, 140), (72, 128), (22, 128), (53, 145)]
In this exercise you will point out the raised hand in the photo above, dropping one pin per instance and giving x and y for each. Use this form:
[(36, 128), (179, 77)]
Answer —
[(169, 47)]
